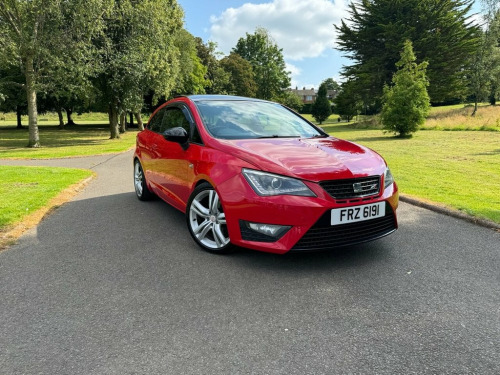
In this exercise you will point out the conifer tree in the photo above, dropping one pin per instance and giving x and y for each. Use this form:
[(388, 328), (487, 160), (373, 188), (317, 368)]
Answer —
[(406, 103), (321, 109), (442, 33)]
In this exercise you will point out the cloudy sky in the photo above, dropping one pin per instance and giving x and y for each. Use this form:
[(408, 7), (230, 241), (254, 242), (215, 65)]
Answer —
[(303, 29)]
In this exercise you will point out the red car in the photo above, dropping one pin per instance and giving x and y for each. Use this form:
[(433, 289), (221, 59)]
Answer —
[(255, 174)]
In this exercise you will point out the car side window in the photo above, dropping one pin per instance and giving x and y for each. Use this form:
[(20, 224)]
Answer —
[(174, 118), (155, 123), (195, 137)]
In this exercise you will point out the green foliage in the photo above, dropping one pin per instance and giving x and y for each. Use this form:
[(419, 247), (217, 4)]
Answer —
[(192, 77), (217, 77), (406, 103), (267, 62), (241, 77), (331, 84), (484, 71), (348, 102), (291, 100), (441, 32), (138, 54), (321, 109), (45, 38)]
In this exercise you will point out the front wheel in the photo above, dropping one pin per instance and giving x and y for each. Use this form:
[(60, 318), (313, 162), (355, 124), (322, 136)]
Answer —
[(206, 220)]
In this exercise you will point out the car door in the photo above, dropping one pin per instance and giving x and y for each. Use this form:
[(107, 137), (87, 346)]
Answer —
[(171, 162), (149, 142)]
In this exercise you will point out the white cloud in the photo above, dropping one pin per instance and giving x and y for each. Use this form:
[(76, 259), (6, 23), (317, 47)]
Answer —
[(295, 72), (303, 29)]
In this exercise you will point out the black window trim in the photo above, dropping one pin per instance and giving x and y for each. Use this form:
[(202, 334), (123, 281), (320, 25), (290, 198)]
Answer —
[(189, 117)]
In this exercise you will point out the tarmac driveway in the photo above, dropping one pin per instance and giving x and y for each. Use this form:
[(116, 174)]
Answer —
[(111, 285)]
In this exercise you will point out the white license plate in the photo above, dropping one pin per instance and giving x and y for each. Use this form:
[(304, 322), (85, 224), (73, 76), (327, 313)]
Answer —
[(357, 213)]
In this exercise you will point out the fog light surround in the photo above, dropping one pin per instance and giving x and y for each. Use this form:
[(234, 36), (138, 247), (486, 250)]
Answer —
[(262, 232)]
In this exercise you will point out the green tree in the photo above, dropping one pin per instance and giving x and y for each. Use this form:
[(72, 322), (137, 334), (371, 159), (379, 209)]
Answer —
[(441, 31), (487, 60), (348, 102), (138, 54), (39, 35), (241, 78), (12, 93), (321, 108), (217, 77), (267, 62), (406, 103), (291, 100), (331, 84), (484, 69), (193, 74)]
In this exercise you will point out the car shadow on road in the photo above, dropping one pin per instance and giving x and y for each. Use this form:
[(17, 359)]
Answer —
[(120, 225), (336, 258)]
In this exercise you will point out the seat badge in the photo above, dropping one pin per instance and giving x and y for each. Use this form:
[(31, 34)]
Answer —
[(357, 187)]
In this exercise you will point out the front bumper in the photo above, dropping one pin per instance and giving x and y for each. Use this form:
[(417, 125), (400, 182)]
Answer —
[(309, 218)]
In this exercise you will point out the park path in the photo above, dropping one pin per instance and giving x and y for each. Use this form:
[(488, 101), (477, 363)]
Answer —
[(85, 162)]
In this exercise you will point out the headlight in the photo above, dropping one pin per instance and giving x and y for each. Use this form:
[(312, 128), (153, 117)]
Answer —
[(388, 179), (266, 184)]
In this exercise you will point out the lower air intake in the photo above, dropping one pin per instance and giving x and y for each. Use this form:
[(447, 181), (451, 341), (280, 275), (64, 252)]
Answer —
[(323, 236)]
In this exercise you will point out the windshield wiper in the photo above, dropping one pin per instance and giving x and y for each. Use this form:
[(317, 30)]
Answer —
[(279, 136)]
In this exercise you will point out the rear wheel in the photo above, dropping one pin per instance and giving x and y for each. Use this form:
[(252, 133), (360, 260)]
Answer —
[(206, 220), (141, 188)]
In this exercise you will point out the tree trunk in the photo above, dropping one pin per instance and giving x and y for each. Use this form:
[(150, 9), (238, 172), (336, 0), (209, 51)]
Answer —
[(138, 118), (69, 114), (113, 122), (61, 118), (131, 123), (123, 122), (34, 136), (475, 107), (18, 116), (492, 98)]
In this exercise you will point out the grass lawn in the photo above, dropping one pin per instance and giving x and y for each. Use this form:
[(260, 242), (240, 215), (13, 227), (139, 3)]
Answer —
[(24, 190), (460, 169), (78, 140)]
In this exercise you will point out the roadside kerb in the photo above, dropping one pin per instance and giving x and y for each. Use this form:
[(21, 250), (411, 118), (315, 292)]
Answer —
[(448, 211)]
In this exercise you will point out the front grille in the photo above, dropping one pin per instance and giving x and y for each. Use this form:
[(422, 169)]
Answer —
[(345, 189), (323, 235)]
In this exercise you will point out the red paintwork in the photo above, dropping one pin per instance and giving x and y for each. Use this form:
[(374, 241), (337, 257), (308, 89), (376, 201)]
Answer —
[(219, 162)]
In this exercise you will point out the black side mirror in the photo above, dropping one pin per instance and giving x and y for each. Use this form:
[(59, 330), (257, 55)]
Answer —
[(178, 135)]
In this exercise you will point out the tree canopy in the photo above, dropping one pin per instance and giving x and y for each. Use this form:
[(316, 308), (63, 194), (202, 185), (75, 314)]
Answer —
[(241, 77), (47, 39), (138, 54), (441, 31), (321, 108), (348, 101), (267, 62), (406, 103)]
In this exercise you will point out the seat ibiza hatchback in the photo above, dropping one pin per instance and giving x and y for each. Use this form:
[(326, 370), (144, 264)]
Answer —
[(255, 174)]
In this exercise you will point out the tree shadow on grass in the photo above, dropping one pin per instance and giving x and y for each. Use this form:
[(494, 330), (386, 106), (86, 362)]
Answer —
[(382, 138)]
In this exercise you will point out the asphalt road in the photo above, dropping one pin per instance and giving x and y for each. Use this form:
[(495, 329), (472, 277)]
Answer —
[(111, 285)]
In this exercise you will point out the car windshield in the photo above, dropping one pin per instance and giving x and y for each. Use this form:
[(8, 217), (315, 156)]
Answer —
[(242, 119)]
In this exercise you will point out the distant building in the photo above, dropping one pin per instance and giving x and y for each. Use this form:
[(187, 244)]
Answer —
[(308, 96)]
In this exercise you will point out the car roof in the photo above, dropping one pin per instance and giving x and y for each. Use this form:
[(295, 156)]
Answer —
[(196, 98)]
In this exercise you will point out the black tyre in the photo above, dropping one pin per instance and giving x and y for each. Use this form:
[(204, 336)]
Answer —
[(141, 188)]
